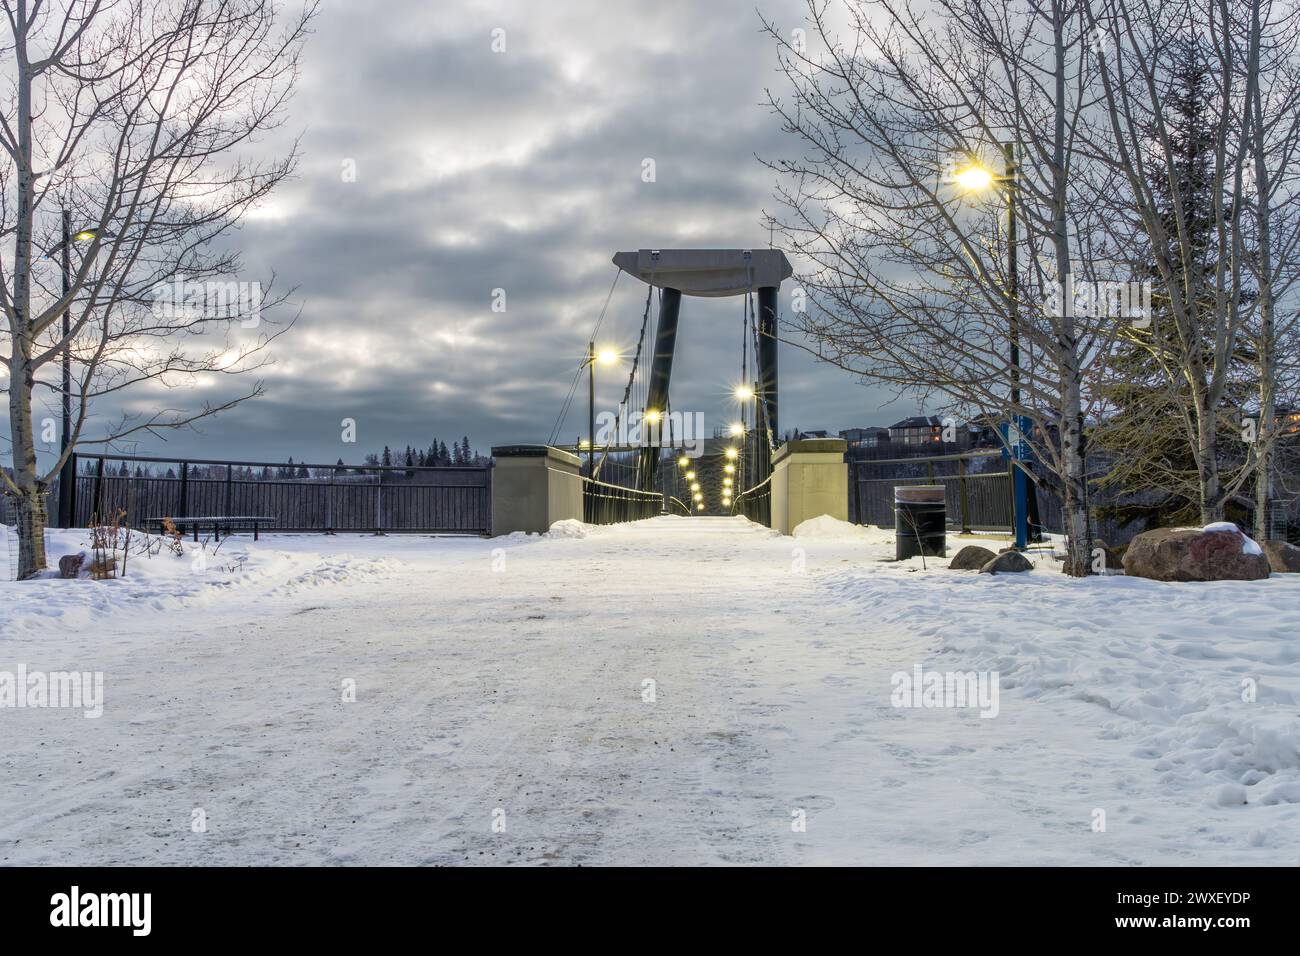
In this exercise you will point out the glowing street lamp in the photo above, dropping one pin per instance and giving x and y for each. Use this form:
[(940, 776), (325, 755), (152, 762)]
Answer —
[(695, 486), (732, 453), (690, 476), (737, 429), (729, 468), (743, 393), (683, 461), (973, 178), (603, 356)]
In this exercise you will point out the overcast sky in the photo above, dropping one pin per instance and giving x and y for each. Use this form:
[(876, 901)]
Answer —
[(518, 170)]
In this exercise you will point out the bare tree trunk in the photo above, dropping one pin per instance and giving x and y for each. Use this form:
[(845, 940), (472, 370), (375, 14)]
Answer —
[(1212, 499), (29, 493)]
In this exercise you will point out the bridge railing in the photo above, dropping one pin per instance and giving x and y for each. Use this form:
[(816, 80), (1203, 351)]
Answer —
[(603, 503), (296, 498), (755, 503), (676, 506)]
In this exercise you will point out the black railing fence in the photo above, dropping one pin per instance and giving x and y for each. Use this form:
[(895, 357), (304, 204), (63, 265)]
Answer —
[(295, 498), (977, 488), (604, 503), (755, 503)]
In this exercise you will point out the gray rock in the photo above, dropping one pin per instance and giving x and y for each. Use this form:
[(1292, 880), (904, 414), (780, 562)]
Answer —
[(1008, 562), (1189, 554), (70, 565), (971, 558), (1283, 558)]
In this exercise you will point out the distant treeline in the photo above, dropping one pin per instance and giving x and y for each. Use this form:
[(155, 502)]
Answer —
[(437, 455)]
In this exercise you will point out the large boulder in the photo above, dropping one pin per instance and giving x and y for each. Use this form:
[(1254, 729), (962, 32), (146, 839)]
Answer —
[(70, 565), (1283, 558), (1008, 562), (1217, 552), (971, 558)]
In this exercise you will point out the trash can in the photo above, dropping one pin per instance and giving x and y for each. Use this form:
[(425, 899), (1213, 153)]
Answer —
[(920, 521)]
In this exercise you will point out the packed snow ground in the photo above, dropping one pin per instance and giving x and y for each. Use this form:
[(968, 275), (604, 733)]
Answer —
[(503, 682)]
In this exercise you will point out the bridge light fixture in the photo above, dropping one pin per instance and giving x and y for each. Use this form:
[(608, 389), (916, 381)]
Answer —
[(698, 496), (690, 476), (652, 415), (973, 177), (695, 486), (737, 429), (729, 468), (607, 356), (699, 507), (744, 393), (732, 453), (683, 461), (726, 482)]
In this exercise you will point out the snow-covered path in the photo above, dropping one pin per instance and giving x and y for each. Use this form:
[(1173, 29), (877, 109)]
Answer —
[(504, 682)]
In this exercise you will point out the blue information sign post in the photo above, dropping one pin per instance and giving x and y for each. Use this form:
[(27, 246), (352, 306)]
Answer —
[(1015, 447)]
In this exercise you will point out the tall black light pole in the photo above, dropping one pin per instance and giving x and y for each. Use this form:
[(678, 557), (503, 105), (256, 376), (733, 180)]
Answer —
[(591, 410), (594, 357), (67, 472), (975, 177)]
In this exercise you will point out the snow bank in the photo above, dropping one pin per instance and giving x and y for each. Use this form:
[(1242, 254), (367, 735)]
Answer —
[(826, 528), (569, 528), (156, 579), (1204, 685)]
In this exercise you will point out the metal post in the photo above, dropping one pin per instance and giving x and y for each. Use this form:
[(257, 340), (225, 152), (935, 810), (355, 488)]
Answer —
[(72, 489), (767, 331), (67, 474), (97, 509), (329, 502), (185, 490), (229, 491), (1019, 487), (965, 496), (591, 409), (856, 478)]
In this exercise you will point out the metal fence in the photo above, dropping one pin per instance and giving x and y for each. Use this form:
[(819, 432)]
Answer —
[(604, 503), (977, 488), (295, 498), (755, 503)]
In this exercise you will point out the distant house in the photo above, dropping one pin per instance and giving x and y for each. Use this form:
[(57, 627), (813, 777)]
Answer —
[(815, 433), (917, 430), (870, 437), (983, 431)]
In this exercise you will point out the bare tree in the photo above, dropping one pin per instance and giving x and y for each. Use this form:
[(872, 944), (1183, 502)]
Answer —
[(132, 114), (1272, 224), (909, 275), (1217, 267)]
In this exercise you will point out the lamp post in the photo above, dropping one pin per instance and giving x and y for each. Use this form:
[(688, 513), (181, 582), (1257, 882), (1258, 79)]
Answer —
[(974, 178), (603, 357), (67, 473)]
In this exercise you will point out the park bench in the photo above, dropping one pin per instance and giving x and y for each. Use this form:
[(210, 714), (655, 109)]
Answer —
[(216, 522)]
